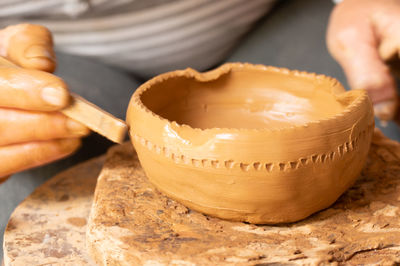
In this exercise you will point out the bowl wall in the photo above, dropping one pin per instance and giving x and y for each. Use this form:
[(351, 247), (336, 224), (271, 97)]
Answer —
[(260, 194)]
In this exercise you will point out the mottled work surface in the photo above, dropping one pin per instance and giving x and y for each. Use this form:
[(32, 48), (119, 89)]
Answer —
[(48, 227), (131, 223)]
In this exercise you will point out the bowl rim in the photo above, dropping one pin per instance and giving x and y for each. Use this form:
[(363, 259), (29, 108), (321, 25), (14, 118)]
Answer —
[(336, 89)]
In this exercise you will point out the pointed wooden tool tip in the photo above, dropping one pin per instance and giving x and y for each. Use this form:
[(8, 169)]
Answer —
[(96, 119)]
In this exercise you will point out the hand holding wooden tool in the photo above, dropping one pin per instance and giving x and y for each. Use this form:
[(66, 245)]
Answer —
[(90, 115), (36, 106)]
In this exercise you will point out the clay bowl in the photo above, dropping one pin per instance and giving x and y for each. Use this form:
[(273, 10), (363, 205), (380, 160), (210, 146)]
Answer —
[(249, 142)]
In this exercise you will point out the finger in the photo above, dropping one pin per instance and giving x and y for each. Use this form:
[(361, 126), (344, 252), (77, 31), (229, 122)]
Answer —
[(367, 71), (17, 126), (19, 157), (355, 48), (28, 45), (32, 90)]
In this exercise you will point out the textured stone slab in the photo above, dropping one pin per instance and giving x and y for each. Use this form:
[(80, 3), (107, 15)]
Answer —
[(48, 227), (134, 224), (131, 223)]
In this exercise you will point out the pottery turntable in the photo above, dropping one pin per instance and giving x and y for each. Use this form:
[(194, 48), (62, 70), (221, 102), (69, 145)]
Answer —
[(242, 165)]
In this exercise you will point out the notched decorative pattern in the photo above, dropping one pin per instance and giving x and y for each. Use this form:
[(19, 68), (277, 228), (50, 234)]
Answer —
[(328, 157)]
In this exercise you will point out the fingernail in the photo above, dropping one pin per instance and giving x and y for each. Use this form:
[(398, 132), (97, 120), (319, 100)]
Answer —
[(38, 51), (55, 96), (77, 128)]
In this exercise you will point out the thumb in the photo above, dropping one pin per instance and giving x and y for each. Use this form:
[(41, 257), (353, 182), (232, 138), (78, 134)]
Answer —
[(29, 46)]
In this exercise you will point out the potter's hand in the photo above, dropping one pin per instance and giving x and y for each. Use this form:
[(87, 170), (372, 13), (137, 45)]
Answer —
[(362, 35), (32, 132)]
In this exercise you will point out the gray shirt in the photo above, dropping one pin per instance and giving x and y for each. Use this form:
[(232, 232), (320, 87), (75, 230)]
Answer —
[(146, 37)]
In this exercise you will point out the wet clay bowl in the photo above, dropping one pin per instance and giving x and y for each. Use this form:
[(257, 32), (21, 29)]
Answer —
[(249, 142)]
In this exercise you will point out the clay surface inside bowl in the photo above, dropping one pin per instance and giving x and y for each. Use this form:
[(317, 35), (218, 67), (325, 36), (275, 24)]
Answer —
[(269, 100)]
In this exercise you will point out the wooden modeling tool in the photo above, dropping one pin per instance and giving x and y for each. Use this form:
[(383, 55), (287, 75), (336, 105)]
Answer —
[(90, 115), (96, 119)]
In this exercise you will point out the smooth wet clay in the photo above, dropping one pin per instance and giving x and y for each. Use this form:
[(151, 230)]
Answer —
[(230, 102), (249, 142)]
